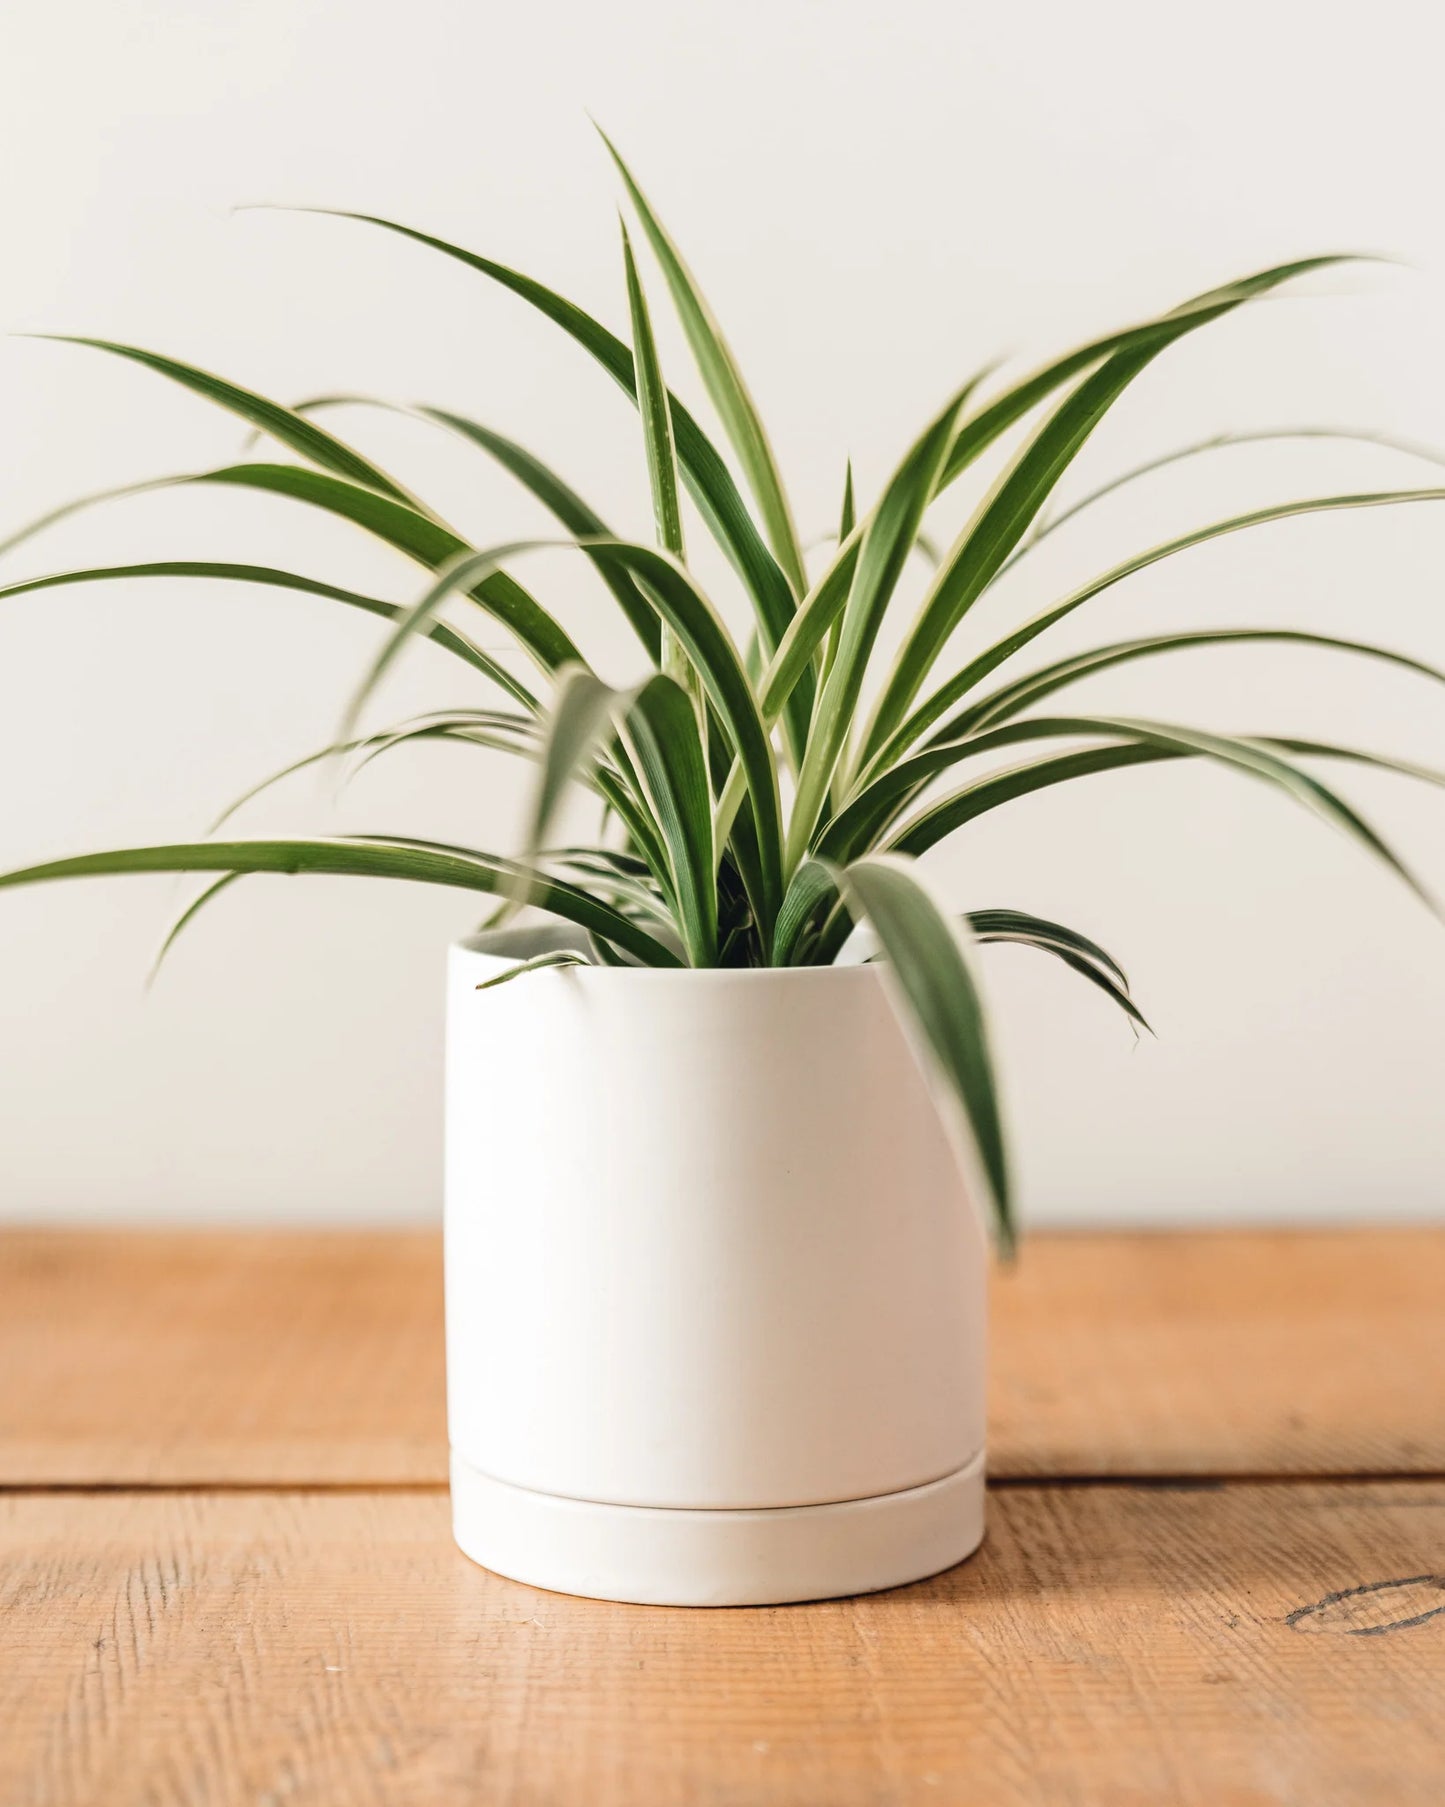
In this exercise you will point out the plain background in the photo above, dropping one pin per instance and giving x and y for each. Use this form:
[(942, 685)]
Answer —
[(876, 199)]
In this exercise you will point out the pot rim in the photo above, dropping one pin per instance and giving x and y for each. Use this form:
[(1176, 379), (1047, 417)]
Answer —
[(589, 973)]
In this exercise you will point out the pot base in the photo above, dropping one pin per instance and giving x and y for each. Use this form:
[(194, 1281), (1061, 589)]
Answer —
[(653, 1556)]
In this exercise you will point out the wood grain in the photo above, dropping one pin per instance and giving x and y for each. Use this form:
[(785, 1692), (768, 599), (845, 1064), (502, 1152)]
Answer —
[(1208, 1641), (1121, 1645), (1292, 1352), (250, 1357), (253, 1358)]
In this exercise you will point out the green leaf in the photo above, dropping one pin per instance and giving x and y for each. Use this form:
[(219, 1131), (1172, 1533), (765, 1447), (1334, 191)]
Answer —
[(607, 955), (996, 925), (1063, 944), (666, 935), (417, 535), (438, 632), (608, 860), (848, 516), (1257, 758), (959, 807), (575, 729), (682, 607), (886, 543), (934, 974), (1318, 749), (653, 408), (962, 806), (1006, 513), (573, 733), (477, 727), (869, 813), (284, 424), (495, 730), (978, 668), (660, 726), (186, 918), (690, 615), (813, 885), (566, 505), (555, 495), (1006, 410), (360, 856), (574, 753), (992, 534), (708, 478), (538, 963), (626, 884), (1025, 692), (1411, 448), (724, 383), (1076, 951), (792, 662), (789, 670), (1086, 970), (113, 494), (847, 521), (466, 571)]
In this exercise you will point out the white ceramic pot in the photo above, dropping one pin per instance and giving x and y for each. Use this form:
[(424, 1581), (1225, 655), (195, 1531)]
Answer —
[(715, 1288)]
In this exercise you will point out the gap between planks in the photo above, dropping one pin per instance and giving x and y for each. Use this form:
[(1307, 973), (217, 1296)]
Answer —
[(1163, 1483)]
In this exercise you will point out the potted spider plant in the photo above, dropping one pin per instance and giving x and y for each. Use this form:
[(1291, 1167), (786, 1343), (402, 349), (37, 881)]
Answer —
[(723, 1135)]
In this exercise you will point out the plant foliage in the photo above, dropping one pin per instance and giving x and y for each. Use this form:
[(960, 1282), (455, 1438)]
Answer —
[(762, 798)]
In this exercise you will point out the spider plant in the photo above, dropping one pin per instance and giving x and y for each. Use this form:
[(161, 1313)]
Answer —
[(761, 798)]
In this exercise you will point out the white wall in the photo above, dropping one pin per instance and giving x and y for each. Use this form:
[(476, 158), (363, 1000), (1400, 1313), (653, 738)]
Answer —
[(877, 198)]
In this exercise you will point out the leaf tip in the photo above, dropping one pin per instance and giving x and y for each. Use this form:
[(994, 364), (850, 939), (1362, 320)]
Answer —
[(612, 149)]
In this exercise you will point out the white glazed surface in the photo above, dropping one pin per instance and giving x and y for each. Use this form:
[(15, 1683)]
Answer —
[(664, 1558), (707, 1242)]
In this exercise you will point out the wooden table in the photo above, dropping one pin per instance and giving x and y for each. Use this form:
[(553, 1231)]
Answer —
[(1214, 1573)]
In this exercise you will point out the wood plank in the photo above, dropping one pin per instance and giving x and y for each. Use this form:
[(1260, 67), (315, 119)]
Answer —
[(252, 1356), (257, 1357), (1247, 1352), (1122, 1645)]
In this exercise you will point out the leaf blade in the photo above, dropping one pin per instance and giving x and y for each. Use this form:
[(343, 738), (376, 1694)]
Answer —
[(926, 953), (284, 424), (1219, 442), (1075, 951), (562, 501), (563, 957), (422, 539), (1015, 500), (996, 417), (1257, 758), (723, 381), (683, 607), (957, 687), (886, 542), (574, 730), (186, 918), (660, 725), (1026, 692), (652, 406), (356, 856), (708, 478), (272, 577)]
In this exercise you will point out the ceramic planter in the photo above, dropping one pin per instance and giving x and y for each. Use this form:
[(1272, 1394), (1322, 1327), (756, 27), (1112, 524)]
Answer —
[(715, 1288)]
